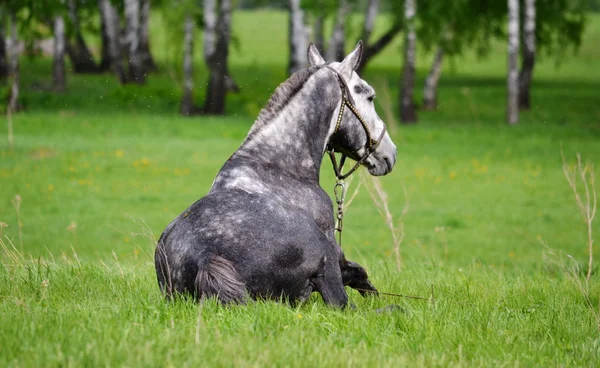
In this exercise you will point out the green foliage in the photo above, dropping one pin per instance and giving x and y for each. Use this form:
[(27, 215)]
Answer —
[(559, 26), (91, 164)]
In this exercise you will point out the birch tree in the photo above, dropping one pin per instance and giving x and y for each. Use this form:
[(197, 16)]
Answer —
[(58, 66), (217, 34), (526, 73), (132, 29), (408, 114), (432, 80), (297, 37), (111, 27), (513, 54), (187, 101)]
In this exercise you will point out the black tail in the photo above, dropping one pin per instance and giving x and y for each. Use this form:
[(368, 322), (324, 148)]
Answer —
[(218, 277)]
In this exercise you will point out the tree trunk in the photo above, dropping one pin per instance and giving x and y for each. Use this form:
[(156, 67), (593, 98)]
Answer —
[(335, 49), (58, 68), (373, 49), (187, 101), (513, 69), (147, 60), (217, 32), (431, 82), (528, 55), (13, 68), (111, 23), (408, 114), (132, 30), (298, 38), (79, 54)]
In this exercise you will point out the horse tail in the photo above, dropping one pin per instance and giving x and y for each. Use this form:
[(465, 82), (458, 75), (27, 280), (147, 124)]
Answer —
[(218, 277)]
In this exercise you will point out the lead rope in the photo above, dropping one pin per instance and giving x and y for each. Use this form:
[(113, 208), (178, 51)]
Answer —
[(340, 194)]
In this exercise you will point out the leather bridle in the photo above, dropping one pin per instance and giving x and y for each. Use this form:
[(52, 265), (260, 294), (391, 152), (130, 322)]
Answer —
[(370, 145)]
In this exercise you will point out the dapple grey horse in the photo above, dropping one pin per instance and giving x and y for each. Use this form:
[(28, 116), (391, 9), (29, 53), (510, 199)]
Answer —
[(266, 227)]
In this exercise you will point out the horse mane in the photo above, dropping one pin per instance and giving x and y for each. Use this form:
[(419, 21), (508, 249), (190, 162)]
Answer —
[(282, 95)]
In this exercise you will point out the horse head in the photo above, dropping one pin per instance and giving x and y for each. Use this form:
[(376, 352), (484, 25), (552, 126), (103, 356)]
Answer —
[(358, 132)]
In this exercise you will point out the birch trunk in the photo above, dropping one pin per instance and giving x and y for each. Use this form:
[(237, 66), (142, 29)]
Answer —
[(58, 66), (432, 80), (13, 68), (147, 59), (111, 27), (132, 31), (216, 52), (298, 37), (528, 55), (513, 54), (81, 58), (408, 114), (187, 101), (335, 49)]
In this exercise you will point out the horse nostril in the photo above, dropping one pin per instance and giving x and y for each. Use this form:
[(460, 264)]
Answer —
[(389, 162)]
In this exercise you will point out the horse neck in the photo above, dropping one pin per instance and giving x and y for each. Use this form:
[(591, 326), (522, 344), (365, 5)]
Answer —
[(294, 139)]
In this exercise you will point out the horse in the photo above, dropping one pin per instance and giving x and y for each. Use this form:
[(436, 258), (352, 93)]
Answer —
[(266, 228)]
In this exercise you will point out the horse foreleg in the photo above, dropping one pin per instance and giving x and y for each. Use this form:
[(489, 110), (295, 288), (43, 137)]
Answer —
[(330, 285)]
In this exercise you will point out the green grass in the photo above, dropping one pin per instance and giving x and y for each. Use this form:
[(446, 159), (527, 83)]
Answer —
[(103, 169)]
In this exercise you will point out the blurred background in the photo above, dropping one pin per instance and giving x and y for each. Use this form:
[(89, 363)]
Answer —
[(118, 115)]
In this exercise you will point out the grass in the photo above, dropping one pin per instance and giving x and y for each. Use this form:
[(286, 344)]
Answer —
[(102, 170)]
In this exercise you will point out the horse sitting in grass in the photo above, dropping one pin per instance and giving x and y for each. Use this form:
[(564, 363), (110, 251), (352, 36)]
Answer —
[(266, 228)]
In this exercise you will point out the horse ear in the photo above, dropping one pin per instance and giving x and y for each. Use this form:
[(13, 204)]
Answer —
[(352, 61), (314, 56)]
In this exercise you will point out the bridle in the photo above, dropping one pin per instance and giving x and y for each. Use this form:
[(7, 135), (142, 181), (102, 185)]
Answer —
[(370, 147)]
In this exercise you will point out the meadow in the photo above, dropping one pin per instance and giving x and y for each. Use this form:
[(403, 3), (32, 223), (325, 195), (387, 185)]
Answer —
[(98, 172)]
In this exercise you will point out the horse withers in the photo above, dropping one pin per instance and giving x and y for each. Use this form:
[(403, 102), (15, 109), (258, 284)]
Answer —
[(266, 227)]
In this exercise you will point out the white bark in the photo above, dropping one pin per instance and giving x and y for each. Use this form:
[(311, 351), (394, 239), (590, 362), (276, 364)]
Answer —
[(58, 70), (513, 55), (132, 17), (432, 80), (335, 49), (407, 106), (187, 104), (111, 23), (298, 37), (210, 25), (528, 55), (217, 34)]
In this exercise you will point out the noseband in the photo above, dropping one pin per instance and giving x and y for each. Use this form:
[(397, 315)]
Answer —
[(370, 145)]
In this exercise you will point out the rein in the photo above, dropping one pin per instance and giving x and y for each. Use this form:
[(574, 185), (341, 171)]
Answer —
[(370, 147)]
